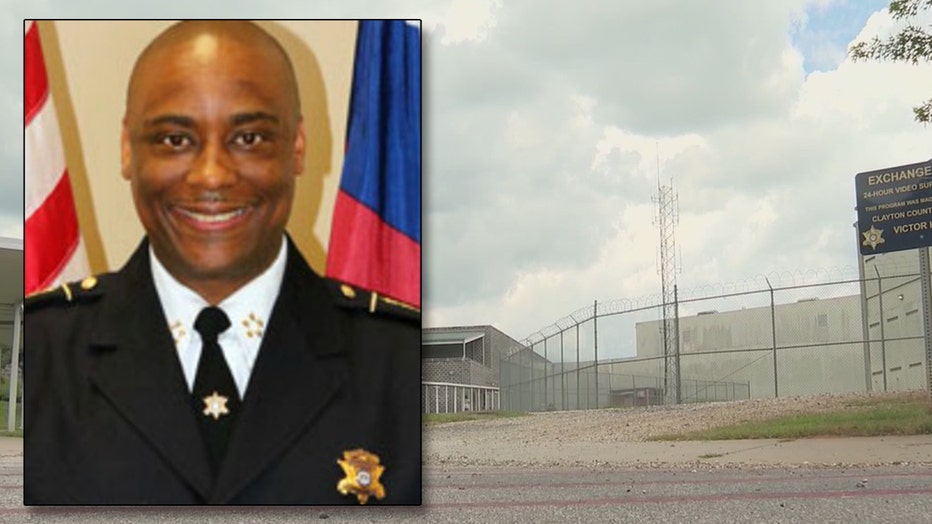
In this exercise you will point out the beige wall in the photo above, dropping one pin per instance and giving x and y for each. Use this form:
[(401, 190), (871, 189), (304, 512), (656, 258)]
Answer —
[(88, 66)]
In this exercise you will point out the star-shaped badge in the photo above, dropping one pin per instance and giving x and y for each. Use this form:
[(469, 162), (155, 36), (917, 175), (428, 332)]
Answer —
[(215, 405), (872, 237)]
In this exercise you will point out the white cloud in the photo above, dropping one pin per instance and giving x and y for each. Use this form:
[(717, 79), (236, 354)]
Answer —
[(543, 120), (465, 20), (764, 163)]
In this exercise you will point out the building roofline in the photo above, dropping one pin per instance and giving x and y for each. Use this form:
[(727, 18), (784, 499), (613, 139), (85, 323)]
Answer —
[(15, 244)]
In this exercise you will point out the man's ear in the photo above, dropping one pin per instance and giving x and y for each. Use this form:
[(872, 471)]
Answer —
[(126, 152)]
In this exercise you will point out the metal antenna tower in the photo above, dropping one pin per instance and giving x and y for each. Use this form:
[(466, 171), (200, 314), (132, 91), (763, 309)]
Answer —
[(666, 218)]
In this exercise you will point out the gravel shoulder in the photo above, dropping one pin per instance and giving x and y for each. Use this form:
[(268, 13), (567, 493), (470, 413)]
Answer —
[(622, 437)]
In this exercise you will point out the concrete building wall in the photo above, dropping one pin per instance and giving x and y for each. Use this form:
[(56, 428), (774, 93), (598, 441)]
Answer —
[(819, 347), (483, 370), (799, 323)]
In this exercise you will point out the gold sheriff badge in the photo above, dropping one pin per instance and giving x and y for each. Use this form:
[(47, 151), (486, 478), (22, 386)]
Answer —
[(362, 475)]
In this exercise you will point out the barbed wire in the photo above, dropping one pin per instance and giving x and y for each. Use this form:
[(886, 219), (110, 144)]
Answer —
[(778, 280)]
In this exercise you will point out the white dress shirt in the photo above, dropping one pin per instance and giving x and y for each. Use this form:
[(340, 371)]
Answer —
[(248, 308)]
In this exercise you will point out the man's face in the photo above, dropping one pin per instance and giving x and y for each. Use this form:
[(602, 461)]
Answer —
[(211, 144)]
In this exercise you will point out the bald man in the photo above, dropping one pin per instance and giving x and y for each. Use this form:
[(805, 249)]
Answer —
[(215, 366)]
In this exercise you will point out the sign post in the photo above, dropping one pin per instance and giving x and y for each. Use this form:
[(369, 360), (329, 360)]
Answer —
[(926, 283), (895, 214)]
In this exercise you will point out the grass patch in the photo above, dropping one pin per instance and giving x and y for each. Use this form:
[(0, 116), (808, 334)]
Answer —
[(4, 409), (444, 418), (711, 455), (909, 415)]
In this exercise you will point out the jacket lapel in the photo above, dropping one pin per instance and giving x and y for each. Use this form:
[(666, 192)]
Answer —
[(297, 373), (135, 367)]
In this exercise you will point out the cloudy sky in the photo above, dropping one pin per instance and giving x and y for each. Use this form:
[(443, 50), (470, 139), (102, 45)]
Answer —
[(546, 124)]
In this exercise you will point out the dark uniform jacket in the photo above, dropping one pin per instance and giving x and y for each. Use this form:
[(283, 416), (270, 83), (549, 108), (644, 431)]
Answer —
[(109, 418)]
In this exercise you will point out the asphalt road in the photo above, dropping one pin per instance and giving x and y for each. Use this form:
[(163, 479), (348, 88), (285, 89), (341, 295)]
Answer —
[(564, 494)]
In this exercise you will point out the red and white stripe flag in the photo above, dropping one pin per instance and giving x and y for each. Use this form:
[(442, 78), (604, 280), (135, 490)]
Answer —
[(54, 251)]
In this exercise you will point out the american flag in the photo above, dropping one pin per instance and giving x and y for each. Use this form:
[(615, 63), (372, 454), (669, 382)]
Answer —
[(54, 251)]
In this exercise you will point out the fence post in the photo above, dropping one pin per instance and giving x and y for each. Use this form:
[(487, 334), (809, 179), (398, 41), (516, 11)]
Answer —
[(927, 313), (542, 383), (595, 331), (562, 375), (883, 339), (773, 334), (577, 364), (546, 404), (14, 366), (501, 371), (676, 341), (865, 329), (529, 382), (608, 396), (532, 396)]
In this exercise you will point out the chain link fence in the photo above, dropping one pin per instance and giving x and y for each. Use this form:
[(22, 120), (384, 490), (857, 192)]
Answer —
[(751, 340)]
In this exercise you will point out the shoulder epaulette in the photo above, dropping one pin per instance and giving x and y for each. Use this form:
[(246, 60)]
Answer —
[(71, 292), (376, 304)]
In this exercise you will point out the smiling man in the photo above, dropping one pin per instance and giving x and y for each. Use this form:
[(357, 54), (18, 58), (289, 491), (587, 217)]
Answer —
[(215, 366)]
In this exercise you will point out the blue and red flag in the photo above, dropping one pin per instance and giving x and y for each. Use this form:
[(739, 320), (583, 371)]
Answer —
[(375, 239)]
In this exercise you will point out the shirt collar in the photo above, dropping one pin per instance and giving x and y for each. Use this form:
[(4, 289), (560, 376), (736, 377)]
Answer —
[(247, 307)]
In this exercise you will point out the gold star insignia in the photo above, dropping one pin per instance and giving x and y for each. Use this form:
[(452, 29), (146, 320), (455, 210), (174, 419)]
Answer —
[(362, 475), (178, 331), (215, 405), (253, 326), (873, 237)]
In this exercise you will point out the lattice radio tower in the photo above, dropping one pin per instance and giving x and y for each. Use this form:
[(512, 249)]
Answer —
[(666, 218)]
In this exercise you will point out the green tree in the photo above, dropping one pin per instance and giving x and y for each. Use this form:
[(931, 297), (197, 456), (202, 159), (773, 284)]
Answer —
[(913, 44)]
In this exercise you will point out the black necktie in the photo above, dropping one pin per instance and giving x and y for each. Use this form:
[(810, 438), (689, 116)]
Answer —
[(216, 399)]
